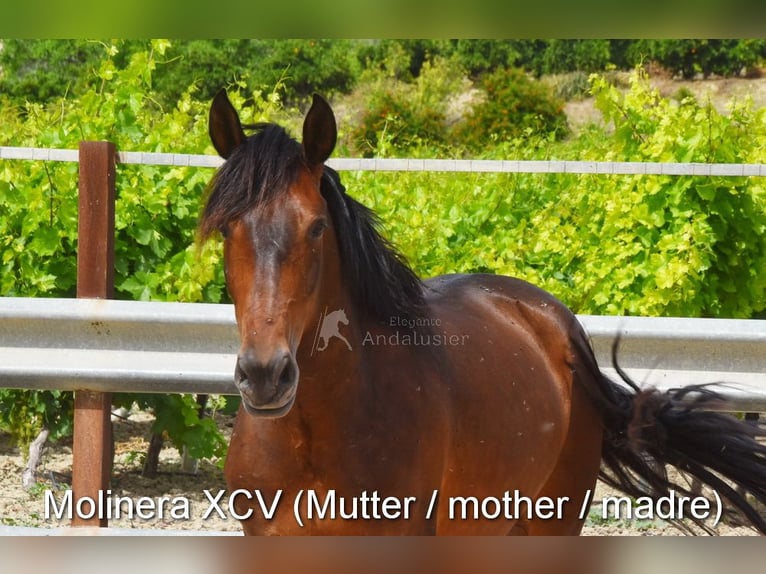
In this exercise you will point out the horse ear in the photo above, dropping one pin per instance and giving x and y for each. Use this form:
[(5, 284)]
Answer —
[(224, 126), (319, 132)]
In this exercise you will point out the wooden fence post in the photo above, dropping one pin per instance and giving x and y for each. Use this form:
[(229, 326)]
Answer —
[(92, 448)]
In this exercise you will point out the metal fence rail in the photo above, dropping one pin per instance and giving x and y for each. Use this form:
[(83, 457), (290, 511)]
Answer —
[(424, 165), (130, 346), (117, 346), (674, 352)]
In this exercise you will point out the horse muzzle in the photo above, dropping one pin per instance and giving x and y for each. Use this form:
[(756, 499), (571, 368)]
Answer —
[(267, 385)]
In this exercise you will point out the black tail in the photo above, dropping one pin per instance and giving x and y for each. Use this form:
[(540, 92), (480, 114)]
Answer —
[(645, 430)]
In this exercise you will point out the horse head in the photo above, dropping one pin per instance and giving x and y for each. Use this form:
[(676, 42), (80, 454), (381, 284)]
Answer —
[(266, 202)]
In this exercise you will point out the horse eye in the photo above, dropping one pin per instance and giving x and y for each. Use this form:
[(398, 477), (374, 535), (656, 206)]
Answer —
[(317, 228)]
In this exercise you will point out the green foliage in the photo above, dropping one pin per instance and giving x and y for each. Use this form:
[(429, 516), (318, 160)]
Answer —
[(24, 414), (401, 59), (635, 245), (44, 70), (677, 245), (545, 57), (403, 117), (569, 86), (178, 418), (156, 209), (479, 57), (156, 213), (299, 67), (306, 66), (688, 58), (513, 106), (575, 55), (652, 245), (41, 70)]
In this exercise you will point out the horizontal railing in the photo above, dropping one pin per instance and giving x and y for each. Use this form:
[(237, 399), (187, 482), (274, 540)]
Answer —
[(132, 346), (117, 346), (424, 165)]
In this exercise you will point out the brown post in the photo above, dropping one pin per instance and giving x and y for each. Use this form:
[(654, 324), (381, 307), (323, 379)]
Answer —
[(92, 448)]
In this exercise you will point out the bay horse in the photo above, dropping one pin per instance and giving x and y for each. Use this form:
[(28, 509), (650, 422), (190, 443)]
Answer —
[(455, 403)]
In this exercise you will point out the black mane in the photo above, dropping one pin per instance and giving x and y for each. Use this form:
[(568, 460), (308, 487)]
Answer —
[(256, 172), (380, 280), (266, 164)]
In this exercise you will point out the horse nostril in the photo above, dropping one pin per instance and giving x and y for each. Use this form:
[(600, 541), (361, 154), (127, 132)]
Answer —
[(289, 371), (245, 374), (276, 371)]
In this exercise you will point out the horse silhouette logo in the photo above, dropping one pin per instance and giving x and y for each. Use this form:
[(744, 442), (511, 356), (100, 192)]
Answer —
[(329, 327)]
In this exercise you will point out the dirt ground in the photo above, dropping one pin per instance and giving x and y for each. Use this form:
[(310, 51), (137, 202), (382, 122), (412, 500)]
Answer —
[(20, 508)]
